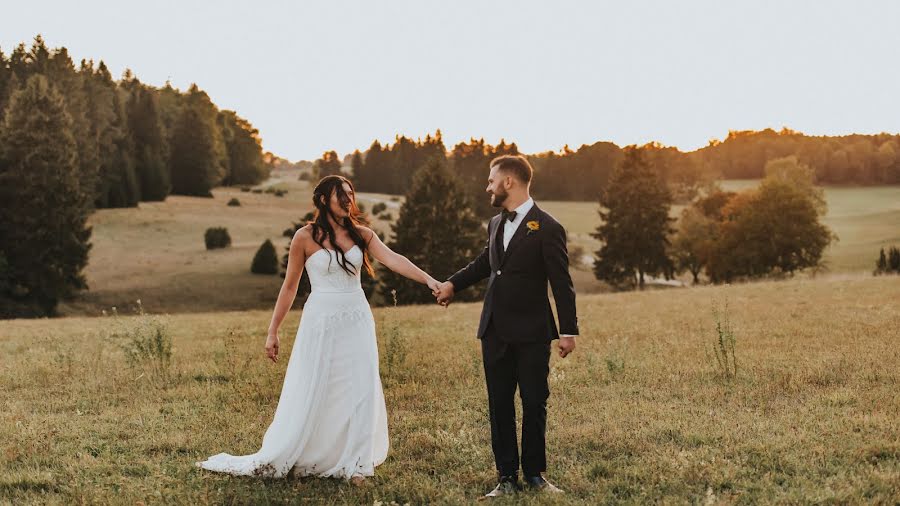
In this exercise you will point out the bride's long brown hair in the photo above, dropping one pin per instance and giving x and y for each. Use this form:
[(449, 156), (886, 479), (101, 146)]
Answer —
[(321, 227)]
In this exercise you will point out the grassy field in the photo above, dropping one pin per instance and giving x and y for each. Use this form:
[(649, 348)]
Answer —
[(640, 413), (156, 253)]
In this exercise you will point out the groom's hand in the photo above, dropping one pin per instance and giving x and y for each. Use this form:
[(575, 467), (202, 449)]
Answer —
[(445, 294), (566, 345)]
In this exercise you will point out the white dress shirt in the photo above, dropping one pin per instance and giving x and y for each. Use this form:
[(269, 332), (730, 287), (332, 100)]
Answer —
[(510, 227)]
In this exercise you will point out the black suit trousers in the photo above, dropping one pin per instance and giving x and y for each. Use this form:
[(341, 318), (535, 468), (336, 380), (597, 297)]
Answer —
[(525, 365)]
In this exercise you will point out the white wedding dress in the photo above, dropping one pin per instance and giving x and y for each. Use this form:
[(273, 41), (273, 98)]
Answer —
[(331, 418)]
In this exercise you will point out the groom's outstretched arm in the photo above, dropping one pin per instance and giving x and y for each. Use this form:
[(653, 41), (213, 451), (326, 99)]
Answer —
[(556, 261), (477, 270)]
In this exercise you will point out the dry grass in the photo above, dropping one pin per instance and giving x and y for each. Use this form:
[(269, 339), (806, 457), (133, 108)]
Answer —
[(638, 414)]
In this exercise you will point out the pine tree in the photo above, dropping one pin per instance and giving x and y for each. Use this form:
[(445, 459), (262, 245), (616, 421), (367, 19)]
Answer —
[(356, 164), (6, 76), (266, 259), (436, 230), (75, 86), (894, 259), (146, 132), (192, 160), (245, 156), (43, 206), (635, 224), (127, 190), (881, 266), (368, 178), (471, 164), (117, 181)]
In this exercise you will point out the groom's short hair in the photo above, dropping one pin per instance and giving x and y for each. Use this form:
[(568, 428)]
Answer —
[(516, 164)]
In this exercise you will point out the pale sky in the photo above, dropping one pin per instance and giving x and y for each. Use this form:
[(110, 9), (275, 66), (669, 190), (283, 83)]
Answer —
[(313, 76)]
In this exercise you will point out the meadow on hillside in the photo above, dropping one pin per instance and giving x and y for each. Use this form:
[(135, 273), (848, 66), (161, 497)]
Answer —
[(155, 252), (641, 412)]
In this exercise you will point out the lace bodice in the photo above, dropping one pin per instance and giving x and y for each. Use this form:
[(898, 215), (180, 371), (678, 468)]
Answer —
[(326, 274)]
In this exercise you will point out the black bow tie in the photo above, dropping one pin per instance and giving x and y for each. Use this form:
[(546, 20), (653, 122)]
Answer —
[(509, 215)]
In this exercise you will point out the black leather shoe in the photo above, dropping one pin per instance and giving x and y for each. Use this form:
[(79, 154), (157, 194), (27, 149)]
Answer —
[(539, 484), (508, 485)]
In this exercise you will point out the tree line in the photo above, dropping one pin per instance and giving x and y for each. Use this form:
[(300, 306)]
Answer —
[(73, 140), (583, 174)]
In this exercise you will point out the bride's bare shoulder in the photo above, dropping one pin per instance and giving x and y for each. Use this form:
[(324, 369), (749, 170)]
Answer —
[(366, 232), (303, 236)]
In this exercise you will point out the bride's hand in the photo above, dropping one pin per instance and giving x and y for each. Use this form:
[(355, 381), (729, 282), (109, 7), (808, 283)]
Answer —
[(272, 347), (435, 286)]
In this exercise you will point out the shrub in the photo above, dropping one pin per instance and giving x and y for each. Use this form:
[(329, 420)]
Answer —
[(379, 208), (234, 202), (245, 188), (217, 237), (266, 259), (387, 216)]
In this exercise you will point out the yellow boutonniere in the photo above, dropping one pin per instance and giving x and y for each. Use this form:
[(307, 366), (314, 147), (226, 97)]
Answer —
[(533, 226)]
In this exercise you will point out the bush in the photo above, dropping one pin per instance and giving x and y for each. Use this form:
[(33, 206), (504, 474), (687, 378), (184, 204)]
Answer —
[(256, 190), (266, 259), (245, 188), (234, 202), (379, 208), (387, 216), (217, 237), (304, 176), (280, 193)]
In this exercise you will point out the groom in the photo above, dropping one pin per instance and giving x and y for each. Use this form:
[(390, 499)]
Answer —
[(526, 249)]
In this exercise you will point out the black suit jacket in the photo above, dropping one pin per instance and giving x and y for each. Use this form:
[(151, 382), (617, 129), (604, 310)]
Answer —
[(516, 296)]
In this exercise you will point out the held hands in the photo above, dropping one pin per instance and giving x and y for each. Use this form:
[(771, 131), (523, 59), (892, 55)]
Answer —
[(272, 343), (434, 285), (445, 294)]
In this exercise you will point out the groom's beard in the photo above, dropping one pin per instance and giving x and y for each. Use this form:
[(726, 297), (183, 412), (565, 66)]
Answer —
[(497, 199)]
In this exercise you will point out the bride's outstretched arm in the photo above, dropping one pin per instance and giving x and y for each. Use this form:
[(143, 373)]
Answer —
[(296, 259), (399, 263)]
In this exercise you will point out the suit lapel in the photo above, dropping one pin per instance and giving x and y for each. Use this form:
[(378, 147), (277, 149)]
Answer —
[(492, 243), (520, 232)]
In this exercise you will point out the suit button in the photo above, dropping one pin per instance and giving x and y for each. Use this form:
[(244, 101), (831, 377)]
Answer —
[(498, 273)]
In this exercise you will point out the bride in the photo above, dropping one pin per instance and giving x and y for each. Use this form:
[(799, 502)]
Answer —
[(331, 418)]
